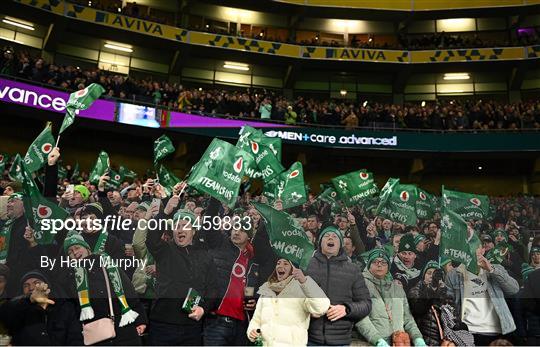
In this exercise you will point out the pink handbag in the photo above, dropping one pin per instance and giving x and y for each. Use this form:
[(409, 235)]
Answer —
[(101, 329)]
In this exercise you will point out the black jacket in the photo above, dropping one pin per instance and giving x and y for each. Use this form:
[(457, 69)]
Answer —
[(126, 335), (344, 284), (30, 324), (530, 301), (178, 270), (17, 260)]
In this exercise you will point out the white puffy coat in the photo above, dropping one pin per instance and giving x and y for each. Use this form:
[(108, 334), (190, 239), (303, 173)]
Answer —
[(284, 319)]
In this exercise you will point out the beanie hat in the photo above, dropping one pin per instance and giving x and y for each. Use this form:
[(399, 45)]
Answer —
[(143, 206), (331, 229), (535, 249), (35, 274), (526, 269), (444, 260), (93, 208), (407, 243), (419, 238), (486, 238), (15, 196), (497, 232), (73, 238), (430, 265), (377, 253), (184, 214), (85, 193)]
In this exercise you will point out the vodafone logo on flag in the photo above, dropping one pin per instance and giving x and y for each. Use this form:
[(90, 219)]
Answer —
[(1, 158), (117, 177), (43, 211), (254, 147), (475, 201), (237, 166), (81, 92), (364, 175), (333, 194), (404, 196), (46, 148), (422, 196), (294, 174)]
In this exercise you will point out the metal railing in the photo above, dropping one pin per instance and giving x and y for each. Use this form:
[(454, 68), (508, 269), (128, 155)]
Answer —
[(374, 126)]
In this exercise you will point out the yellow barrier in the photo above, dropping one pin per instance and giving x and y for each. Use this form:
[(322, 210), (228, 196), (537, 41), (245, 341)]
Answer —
[(168, 32), (412, 5)]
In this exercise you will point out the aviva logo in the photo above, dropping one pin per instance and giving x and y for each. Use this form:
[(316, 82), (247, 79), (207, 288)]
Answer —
[(355, 54), (136, 24)]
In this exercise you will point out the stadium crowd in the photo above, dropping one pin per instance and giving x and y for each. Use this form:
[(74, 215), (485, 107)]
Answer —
[(270, 105), (442, 40), (371, 281)]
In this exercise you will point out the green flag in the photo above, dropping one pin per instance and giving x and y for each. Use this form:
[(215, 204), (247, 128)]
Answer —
[(37, 208), (115, 180), (37, 153), (398, 202), (101, 166), (265, 150), (76, 172), (166, 178), (219, 172), (369, 205), (355, 186), (162, 148), (289, 186), (286, 239), (455, 243), (425, 205), (4, 157), (329, 195), (62, 172), (15, 172), (80, 100), (468, 206), (127, 172)]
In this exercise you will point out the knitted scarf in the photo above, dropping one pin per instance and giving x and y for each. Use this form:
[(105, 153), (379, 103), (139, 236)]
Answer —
[(277, 287), (411, 273), (5, 235), (99, 248), (459, 337), (81, 279)]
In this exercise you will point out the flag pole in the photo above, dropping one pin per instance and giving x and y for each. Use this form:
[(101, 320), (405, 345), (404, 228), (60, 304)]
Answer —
[(57, 141)]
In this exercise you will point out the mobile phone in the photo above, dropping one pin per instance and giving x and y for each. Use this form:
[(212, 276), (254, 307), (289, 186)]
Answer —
[(70, 188)]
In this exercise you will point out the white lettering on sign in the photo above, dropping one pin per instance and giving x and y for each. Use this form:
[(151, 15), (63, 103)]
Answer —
[(30, 98)]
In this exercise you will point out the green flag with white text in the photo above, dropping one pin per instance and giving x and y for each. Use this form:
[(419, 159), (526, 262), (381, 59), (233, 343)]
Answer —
[(355, 186), (4, 157), (468, 206), (455, 241), (162, 148), (167, 179), (80, 100), (286, 239), (15, 172), (38, 152), (127, 172), (289, 186), (397, 202), (37, 208), (101, 166), (425, 205), (265, 150), (219, 172)]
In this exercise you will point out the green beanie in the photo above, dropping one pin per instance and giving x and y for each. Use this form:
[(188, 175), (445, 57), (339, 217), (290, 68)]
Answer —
[(377, 253), (407, 243), (444, 260), (331, 229), (419, 238), (143, 206), (526, 269), (497, 232), (535, 249), (85, 193), (73, 238), (432, 264), (184, 214), (15, 196)]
